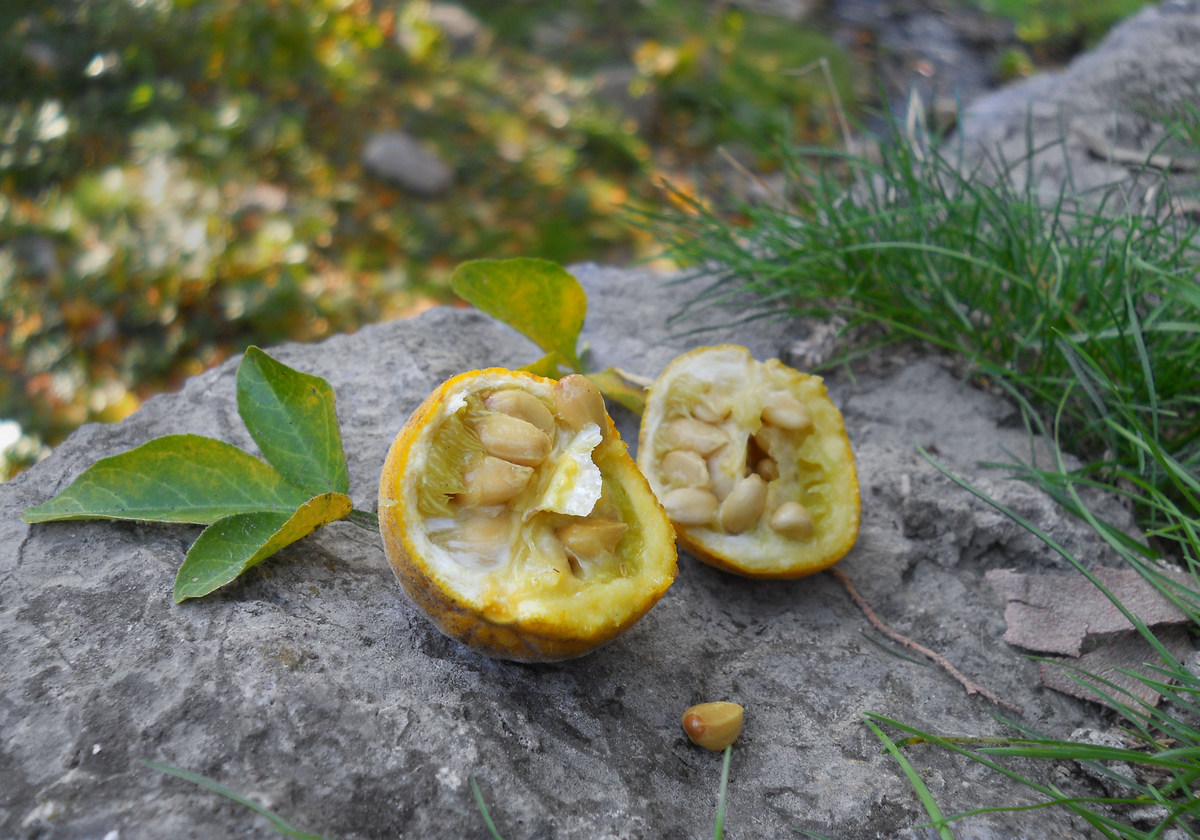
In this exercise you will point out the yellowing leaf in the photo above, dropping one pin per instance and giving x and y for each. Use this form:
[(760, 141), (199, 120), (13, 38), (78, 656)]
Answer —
[(550, 365), (616, 387), (538, 298), (236, 543)]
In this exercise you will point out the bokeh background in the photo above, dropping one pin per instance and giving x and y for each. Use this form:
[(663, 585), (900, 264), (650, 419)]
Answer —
[(182, 178)]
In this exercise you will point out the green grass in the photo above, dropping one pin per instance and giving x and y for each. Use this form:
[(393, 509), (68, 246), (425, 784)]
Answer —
[(1088, 319), (1055, 28), (1090, 316), (279, 825)]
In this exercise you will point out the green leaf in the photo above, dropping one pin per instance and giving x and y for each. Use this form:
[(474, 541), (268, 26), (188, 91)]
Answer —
[(291, 417), (538, 298), (176, 478), (234, 544)]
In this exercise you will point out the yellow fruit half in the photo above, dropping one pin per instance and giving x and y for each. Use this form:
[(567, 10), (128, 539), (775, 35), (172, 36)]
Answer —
[(514, 516), (751, 461)]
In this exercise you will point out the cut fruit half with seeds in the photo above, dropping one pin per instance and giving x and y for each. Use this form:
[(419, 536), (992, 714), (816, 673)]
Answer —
[(514, 516), (751, 462)]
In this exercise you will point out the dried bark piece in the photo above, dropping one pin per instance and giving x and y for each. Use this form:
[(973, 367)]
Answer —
[(1126, 651), (1057, 613), (1068, 614)]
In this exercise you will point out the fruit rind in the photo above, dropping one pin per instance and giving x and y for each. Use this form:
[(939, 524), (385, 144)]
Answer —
[(498, 609), (819, 470)]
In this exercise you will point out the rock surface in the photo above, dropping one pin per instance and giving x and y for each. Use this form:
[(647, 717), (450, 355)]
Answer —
[(1097, 128), (944, 52), (313, 687)]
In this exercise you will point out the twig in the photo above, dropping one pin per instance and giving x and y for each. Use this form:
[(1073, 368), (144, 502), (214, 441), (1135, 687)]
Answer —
[(839, 111), (933, 656), (1100, 147), (784, 204)]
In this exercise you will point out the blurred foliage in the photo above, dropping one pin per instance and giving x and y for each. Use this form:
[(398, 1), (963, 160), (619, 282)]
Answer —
[(1057, 29), (182, 178)]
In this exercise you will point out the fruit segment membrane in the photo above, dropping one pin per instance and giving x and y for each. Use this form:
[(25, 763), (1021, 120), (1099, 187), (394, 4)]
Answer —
[(751, 461)]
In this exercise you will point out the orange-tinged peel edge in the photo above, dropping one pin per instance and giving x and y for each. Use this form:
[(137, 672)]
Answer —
[(819, 470), (512, 609)]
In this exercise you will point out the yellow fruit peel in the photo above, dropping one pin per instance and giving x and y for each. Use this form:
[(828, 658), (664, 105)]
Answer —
[(511, 578), (752, 462)]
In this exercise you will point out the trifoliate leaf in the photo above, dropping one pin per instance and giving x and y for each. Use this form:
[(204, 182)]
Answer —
[(550, 365)]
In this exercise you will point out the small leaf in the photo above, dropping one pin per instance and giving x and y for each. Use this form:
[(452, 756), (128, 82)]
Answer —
[(616, 387), (236, 543), (291, 417), (176, 478), (538, 298)]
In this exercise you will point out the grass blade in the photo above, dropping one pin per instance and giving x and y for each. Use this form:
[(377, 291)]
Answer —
[(483, 810), (277, 822), (722, 790), (914, 778)]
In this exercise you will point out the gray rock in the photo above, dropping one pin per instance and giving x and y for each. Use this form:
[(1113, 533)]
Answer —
[(615, 86), (312, 686), (1096, 129), (792, 11), (462, 32), (35, 254), (944, 52), (398, 157)]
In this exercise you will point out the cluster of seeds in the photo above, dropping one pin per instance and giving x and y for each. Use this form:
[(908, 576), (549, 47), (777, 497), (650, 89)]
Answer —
[(504, 497), (721, 477)]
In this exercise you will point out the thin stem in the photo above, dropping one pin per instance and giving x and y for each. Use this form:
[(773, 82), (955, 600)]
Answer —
[(364, 519)]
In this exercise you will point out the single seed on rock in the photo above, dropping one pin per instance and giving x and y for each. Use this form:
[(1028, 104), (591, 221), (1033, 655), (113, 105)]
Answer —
[(590, 538), (713, 726), (690, 506), (513, 439), (785, 411), (524, 406), (696, 435), (493, 482), (744, 504), (768, 469), (792, 519), (684, 468), (579, 402)]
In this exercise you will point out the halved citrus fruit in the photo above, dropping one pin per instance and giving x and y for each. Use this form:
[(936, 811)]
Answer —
[(514, 516), (752, 463)]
